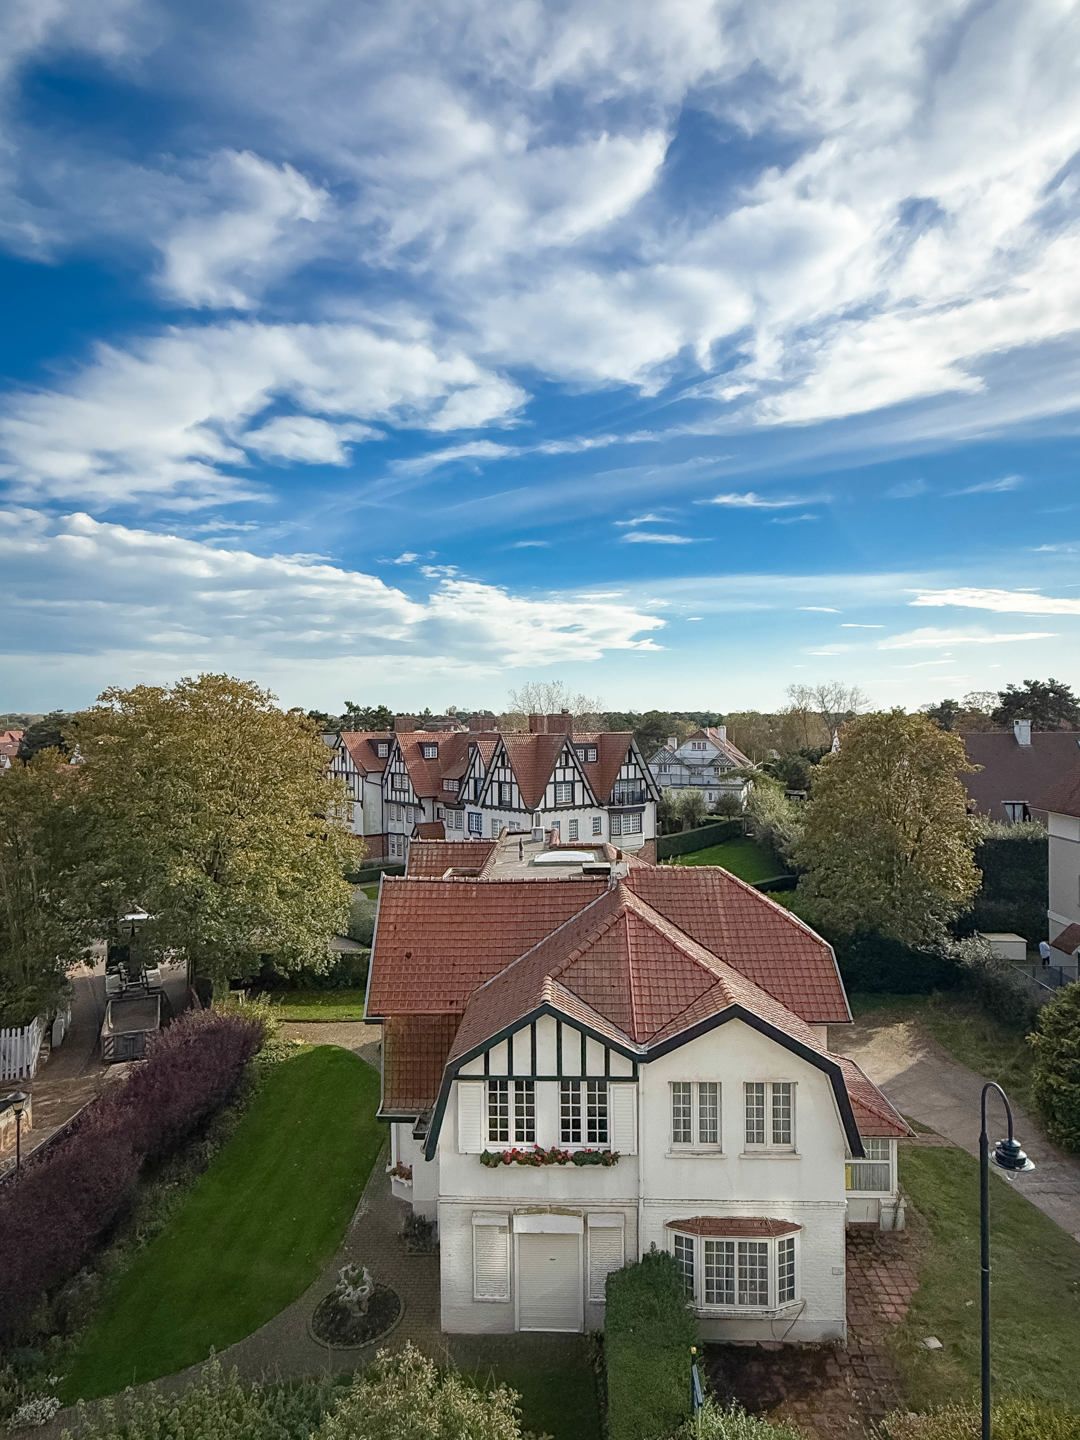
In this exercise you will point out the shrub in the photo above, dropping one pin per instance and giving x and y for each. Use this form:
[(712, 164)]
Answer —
[(216, 1406), (1014, 864), (876, 964), (775, 821), (648, 1332), (406, 1397), (372, 869), (362, 919), (717, 1422), (999, 987), (1056, 1077), (668, 846), (729, 806), (1010, 1419), (67, 1202)]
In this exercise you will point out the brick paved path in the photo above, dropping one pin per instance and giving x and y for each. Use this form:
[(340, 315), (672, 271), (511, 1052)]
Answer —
[(832, 1393)]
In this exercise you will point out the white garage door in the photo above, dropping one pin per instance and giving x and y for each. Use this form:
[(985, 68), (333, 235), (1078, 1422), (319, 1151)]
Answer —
[(549, 1282)]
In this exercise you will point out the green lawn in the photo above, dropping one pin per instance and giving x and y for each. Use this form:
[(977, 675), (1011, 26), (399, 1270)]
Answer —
[(553, 1374), (253, 1232), (1036, 1288), (371, 891), (960, 1026), (318, 1004), (745, 858)]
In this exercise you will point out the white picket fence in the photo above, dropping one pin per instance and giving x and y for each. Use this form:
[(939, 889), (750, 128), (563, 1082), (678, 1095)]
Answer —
[(19, 1050)]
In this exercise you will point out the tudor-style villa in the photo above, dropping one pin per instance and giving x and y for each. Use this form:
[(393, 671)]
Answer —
[(585, 1056)]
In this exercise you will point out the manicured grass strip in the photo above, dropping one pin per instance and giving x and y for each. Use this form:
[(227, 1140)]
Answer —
[(253, 1232), (319, 1004), (745, 858), (1036, 1288), (961, 1026)]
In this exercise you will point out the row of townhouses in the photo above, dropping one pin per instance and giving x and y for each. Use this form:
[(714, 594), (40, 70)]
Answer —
[(706, 761), (457, 786), (586, 1056)]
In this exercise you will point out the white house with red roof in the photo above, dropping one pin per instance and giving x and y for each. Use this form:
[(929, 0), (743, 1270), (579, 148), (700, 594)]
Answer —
[(586, 1056), (1063, 913), (359, 759), (707, 761)]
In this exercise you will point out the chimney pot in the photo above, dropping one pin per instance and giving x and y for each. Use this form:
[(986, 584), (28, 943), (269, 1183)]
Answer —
[(1022, 731)]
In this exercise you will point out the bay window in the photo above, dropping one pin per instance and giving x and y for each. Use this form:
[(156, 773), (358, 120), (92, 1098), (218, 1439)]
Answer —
[(734, 1273)]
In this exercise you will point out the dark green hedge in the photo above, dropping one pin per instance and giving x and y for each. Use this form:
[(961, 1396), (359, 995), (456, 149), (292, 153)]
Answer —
[(648, 1332), (1014, 863), (879, 965), (777, 882), (373, 869), (700, 838)]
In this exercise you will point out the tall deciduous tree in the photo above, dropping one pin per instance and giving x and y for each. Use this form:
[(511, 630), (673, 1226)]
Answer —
[(42, 930), (887, 843), (215, 812), (549, 697)]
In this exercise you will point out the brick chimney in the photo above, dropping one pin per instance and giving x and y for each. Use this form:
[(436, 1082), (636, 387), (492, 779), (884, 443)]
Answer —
[(538, 724), (404, 723), (479, 723), (1022, 731), (563, 723), (673, 742)]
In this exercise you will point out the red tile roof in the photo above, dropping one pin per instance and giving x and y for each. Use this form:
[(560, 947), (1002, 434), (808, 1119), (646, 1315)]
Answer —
[(1064, 798), (436, 940), (362, 748), (874, 1115), (744, 1226), (429, 830), (414, 1054), (431, 859), (1068, 940), (765, 942), (612, 748)]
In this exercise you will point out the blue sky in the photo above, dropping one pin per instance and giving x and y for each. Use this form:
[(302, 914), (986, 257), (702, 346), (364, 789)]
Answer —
[(406, 352)]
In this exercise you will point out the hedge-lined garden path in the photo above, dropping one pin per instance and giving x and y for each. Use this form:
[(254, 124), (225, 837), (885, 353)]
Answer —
[(923, 1081)]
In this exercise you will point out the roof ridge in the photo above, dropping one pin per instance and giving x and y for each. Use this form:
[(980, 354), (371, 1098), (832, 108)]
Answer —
[(678, 937), (543, 939)]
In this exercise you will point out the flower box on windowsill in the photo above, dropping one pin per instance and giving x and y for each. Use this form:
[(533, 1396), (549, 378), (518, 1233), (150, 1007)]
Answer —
[(401, 1174), (536, 1156)]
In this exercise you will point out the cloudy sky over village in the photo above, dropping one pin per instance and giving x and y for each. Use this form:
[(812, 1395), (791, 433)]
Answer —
[(407, 352)]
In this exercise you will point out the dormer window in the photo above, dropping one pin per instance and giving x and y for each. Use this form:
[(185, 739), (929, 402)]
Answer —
[(587, 753), (430, 750), (450, 785), (382, 749)]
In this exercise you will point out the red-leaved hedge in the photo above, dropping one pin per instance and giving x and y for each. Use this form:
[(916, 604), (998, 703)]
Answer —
[(61, 1208)]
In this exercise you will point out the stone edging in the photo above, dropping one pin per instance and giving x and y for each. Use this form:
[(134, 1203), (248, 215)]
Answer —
[(376, 1340)]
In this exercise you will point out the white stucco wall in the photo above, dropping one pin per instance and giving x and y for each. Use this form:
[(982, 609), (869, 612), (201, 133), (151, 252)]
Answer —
[(1064, 859)]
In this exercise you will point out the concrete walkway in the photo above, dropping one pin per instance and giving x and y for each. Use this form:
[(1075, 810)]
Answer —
[(927, 1085)]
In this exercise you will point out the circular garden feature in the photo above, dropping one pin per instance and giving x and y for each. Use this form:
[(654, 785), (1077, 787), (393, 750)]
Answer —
[(357, 1310)]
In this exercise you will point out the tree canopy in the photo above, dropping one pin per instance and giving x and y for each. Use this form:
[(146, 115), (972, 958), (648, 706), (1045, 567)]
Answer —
[(214, 811), (887, 844), (48, 732), (1048, 704)]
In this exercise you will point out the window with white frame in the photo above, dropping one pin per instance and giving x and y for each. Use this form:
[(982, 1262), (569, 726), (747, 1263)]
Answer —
[(572, 830), (874, 1174), (587, 753), (737, 1274), (695, 1114), (496, 828), (583, 1112), (770, 1115), (430, 751), (597, 825), (564, 792), (511, 1112), (628, 823), (476, 823), (451, 785), (382, 749), (697, 745), (506, 794)]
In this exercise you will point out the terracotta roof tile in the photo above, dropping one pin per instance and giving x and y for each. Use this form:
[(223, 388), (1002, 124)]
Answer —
[(735, 1226), (875, 1116), (1068, 940), (532, 759), (765, 942), (429, 830), (437, 940), (414, 1054), (362, 746), (431, 859), (1046, 770)]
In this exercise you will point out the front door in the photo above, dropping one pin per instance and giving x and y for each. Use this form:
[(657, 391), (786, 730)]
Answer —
[(549, 1282)]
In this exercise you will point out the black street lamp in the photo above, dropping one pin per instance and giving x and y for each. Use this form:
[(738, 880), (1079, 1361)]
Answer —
[(18, 1100), (1007, 1156)]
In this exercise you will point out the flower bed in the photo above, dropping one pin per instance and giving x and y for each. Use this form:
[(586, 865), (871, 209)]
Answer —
[(537, 1155), (401, 1172)]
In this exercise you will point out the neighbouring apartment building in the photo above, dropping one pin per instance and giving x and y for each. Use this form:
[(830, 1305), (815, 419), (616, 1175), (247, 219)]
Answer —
[(412, 783), (586, 1056), (705, 761)]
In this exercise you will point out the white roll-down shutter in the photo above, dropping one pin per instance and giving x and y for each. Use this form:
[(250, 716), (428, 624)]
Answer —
[(623, 1108), (491, 1257), (470, 1097), (606, 1251)]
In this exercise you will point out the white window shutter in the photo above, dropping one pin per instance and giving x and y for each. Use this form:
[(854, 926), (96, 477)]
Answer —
[(622, 1103), (606, 1253), (470, 1117), (491, 1258)]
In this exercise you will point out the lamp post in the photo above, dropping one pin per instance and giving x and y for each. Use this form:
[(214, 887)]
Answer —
[(1007, 1156), (18, 1104)]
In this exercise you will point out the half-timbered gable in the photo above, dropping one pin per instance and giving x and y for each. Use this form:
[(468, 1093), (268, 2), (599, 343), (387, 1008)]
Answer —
[(499, 788), (397, 786), (568, 788)]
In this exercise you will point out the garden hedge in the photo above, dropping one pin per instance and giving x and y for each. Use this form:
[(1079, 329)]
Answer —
[(877, 964), (1056, 1078), (1014, 863), (371, 871), (68, 1199), (700, 838), (648, 1332)]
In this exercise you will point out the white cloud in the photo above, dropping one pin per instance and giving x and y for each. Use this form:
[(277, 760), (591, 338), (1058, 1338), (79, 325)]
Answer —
[(855, 625), (250, 233), (168, 417), (305, 439), (929, 638), (821, 609), (907, 490), (78, 585), (654, 537), (651, 518), (1003, 602), (751, 500), (529, 545), (992, 487)]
